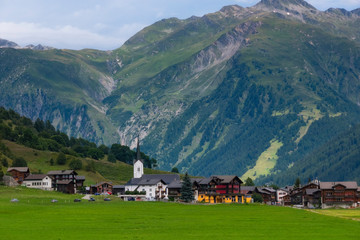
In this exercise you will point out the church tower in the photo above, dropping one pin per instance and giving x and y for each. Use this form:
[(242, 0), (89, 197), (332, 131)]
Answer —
[(138, 163)]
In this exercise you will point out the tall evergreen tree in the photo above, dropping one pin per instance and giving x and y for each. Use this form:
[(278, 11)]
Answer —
[(249, 182), (297, 183), (186, 189)]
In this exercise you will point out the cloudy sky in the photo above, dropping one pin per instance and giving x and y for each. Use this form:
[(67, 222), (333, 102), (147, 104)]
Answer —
[(105, 24)]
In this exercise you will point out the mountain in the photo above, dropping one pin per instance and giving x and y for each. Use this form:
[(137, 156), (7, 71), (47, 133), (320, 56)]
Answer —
[(7, 44), (246, 91)]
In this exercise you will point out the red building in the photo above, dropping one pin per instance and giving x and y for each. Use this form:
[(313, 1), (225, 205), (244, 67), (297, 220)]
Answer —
[(19, 173)]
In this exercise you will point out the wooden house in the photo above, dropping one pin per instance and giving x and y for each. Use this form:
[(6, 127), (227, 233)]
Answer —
[(220, 189), (19, 173), (63, 177), (66, 186), (339, 194), (102, 188), (268, 194)]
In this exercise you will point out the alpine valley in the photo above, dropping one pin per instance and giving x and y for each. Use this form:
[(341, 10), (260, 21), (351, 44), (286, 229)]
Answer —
[(253, 91)]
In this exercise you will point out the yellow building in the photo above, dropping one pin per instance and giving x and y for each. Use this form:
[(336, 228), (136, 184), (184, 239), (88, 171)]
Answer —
[(220, 189)]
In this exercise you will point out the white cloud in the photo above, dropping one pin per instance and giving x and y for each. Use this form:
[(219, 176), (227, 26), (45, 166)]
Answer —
[(65, 36)]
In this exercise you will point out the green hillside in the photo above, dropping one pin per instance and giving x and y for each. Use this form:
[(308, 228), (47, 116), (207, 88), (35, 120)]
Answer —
[(336, 160), (38, 146), (245, 91)]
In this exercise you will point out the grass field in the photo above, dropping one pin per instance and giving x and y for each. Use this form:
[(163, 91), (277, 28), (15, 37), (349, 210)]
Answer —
[(35, 217)]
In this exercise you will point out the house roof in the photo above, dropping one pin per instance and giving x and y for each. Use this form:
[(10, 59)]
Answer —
[(80, 178), (64, 182), (19, 169), (101, 183), (331, 185), (175, 184), (263, 190), (167, 178), (151, 181), (62, 172), (119, 186), (270, 190), (227, 178), (247, 188), (311, 191), (205, 181), (35, 177)]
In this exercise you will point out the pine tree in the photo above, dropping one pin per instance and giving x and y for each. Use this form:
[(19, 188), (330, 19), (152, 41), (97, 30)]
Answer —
[(297, 183), (61, 159), (186, 189), (249, 182)]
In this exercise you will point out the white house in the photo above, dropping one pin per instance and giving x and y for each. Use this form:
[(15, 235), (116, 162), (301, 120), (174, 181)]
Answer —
[(155, 185), (40, 181), (280, 194)]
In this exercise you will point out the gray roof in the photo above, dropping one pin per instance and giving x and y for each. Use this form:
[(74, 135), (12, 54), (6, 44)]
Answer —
[(330, 185), (80, 178), (311, 191), (119, 186), (151, 181), (35, 177), (62, 172), (19, 169), (64, 182), (269, 189), (147, 178), (205, 181), (247, 188), (226, 178), (175, 184)]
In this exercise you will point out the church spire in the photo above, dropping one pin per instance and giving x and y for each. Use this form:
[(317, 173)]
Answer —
[(138, 162)]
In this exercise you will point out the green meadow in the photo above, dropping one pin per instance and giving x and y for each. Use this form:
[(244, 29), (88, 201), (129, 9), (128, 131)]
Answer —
[(35, 217)]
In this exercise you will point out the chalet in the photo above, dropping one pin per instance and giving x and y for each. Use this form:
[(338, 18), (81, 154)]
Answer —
[(298, 195), (40, 181), (19, 173), (339, 194), (268, 194), (79, 182), (64, 180), (312, 198), (220, 189), (66, 186), (102, 188), (280, 194)]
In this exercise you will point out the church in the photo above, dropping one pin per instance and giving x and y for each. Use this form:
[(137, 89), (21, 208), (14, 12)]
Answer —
[(155, 186)]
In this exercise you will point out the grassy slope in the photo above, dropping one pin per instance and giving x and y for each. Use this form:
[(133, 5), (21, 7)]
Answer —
[(266, 162), (105, 171), (37, 217)]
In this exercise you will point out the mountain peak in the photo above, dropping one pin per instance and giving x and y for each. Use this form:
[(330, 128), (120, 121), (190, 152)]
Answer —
[(284, 4)]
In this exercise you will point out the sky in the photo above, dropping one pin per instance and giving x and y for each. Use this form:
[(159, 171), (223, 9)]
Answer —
[(105, 24)]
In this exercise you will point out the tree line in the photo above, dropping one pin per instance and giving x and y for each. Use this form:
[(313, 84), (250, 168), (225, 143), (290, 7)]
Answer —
[(42, 135)]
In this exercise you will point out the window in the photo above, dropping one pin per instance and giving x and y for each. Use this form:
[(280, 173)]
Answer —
[(150, 190), (138, 169)]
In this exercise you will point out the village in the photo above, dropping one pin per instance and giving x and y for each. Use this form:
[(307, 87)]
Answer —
[(212, 190)]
